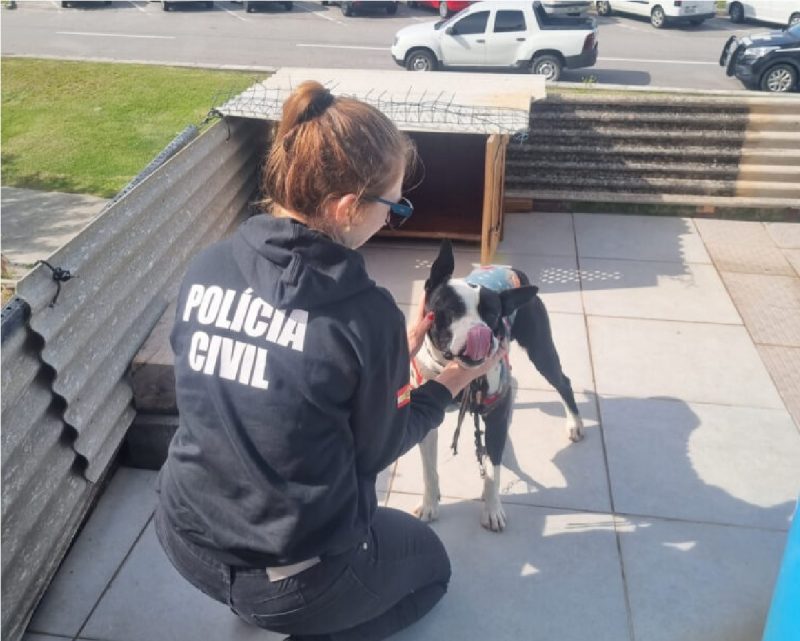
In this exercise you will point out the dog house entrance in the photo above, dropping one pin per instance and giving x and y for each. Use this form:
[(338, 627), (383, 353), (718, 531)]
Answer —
[(460, 123)]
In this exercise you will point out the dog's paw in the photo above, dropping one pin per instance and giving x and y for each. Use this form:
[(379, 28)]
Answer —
[(574, 428), (427, 511), (493, 517)]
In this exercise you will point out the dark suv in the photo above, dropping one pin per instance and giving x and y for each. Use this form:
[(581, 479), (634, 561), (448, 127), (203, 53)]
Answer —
[(768, 61), (350, 8)]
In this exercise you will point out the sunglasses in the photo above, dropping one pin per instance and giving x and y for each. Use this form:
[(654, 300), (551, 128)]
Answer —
[(399, 212)]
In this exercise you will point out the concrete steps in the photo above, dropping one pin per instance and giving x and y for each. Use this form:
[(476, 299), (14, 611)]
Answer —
[(641, 145)]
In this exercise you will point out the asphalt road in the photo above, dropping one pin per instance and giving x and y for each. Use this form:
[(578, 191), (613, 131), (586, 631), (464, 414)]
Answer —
[(631, 51)]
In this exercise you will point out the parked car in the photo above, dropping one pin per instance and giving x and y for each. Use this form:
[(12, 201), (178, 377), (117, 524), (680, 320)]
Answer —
[(253, 5), (168, 6), (780, 12), (444, 7), (661, 12), (567, 7), (501, 35), (768, 61), (350, 8)]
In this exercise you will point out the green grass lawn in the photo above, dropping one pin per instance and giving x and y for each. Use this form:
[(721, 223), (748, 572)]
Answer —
[(89, 128)]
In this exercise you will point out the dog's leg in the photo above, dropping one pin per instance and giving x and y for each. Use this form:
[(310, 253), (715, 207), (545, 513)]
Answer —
[(428, 510), (493, 517), (532, 331)]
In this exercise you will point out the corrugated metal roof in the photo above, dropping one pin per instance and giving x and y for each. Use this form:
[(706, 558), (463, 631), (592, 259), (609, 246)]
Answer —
[(438, 102), (66, 400)]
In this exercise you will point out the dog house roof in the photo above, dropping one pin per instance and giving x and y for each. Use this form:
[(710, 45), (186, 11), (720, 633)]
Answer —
[(438, 102)]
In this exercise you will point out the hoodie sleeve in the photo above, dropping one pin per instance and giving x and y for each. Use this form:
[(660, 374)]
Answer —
[(388, 417)]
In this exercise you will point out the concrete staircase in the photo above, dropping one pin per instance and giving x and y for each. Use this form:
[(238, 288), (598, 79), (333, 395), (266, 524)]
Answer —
[(710, 150)]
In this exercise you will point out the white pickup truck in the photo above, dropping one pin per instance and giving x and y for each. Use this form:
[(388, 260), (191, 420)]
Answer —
[(503, 35)]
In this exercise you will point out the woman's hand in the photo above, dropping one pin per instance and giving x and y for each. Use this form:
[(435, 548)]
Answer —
[(456, 377), (420, 325)]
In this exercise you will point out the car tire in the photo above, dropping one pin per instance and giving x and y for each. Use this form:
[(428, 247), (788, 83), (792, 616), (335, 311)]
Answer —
[(603, 8), (780, 78), (66, 4), (288, 6), (347, 9), (444, 10), (657, 17), (794, 19), (736, 12), (547, 65), (421, 60), (391, 9), (166, 6)]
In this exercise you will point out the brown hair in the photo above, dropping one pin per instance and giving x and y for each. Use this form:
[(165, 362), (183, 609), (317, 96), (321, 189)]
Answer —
[(327, 147)]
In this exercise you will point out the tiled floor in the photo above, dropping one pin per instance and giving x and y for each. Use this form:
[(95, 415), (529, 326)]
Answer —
[(667, 522)]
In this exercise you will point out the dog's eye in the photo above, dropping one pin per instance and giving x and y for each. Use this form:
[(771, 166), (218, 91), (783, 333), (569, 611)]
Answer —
[(474, 286)]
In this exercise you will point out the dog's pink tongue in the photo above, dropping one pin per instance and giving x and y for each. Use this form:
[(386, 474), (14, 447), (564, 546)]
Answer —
[(479, 343)]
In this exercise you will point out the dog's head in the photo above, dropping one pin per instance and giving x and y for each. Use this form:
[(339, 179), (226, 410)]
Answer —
[(468, 319)]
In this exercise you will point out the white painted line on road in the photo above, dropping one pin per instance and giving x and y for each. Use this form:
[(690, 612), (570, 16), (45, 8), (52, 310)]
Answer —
[(136, 6), (665, 62), (319, 14), (234, 14), (343, 47), (113, 35)]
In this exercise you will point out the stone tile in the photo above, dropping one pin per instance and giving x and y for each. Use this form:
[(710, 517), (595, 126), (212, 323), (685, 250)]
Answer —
[(784, 235), (770, 306), (540, 465), (403, 271), (715, 463), (649, 289), (793, 256), (107, 537), (666, 239), (733, 232), (569, 337), (550, 575), (149, 600), (697, 582), (706, 363), (542, 234), (783, 364), (555, 276), (749, 258)]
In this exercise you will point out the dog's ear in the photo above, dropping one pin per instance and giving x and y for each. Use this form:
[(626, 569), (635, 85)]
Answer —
[(513, 299), (442, 268)]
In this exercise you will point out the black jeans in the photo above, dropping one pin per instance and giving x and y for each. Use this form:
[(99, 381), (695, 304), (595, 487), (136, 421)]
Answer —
[(382, 586)]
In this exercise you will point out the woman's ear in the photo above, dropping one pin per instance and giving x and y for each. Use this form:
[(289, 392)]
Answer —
[(340, 210)]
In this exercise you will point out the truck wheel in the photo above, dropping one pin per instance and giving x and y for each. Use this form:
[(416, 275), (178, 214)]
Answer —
[(657, 17), (391, 9), (736, 12), (444, 10), (421, 60), (794, 19), (779, 79), (603, 8), (347, 9), (548, 66)]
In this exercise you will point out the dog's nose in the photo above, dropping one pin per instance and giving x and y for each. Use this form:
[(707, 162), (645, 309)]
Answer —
[(479, 343)]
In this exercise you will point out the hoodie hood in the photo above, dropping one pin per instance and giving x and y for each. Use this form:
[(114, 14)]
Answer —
[(293, 266)]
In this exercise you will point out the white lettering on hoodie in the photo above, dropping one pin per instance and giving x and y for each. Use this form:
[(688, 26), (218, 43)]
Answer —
[(251, 318)]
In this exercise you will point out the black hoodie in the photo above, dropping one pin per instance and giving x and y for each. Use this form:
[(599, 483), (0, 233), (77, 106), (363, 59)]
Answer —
[(292, 373)]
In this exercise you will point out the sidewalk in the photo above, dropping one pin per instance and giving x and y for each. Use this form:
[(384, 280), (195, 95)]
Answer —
[(36, 223), (666, 523)]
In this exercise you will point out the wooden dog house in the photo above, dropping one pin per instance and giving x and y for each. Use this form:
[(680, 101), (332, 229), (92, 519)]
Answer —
[(461, 124)]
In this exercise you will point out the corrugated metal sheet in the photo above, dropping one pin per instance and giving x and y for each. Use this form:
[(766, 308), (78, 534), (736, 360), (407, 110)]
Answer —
[(66, 400)]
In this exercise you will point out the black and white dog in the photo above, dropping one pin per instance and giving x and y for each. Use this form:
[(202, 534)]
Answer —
[(472, 316)]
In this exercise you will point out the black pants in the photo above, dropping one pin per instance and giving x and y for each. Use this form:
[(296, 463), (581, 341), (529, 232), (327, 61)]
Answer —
[(382, 586)]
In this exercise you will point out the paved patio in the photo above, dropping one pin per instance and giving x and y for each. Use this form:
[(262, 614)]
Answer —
[(667, 523)]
